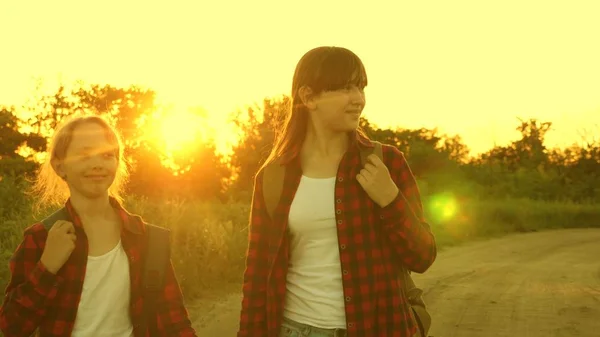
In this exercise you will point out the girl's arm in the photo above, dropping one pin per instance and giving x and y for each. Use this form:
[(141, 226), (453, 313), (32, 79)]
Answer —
[(403, 219), (29, 290), (253, 316), (172, 316)]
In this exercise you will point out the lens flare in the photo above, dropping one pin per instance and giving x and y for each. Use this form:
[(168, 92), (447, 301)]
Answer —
[(443, 207)]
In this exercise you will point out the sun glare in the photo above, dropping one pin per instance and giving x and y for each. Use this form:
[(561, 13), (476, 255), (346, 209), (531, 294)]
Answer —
[(180, 129), (176, 131)]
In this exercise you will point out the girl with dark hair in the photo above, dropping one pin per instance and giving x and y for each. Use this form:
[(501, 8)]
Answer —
[(326, 261)]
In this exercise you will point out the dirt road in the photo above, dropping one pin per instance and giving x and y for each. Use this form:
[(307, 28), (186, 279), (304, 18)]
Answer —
[(536, 284)]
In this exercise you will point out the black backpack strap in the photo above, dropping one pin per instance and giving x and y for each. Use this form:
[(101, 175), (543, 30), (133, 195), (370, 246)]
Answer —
[(61, 214), (156, 261), (376, 149)]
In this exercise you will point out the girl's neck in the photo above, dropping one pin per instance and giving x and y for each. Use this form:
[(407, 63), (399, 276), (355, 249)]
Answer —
[(97, 208), (325, 143)]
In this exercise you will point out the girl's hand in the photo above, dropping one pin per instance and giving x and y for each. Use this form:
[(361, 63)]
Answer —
[(376, 180)]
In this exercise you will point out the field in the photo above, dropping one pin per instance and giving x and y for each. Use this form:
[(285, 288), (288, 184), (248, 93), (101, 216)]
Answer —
[(209, 238), (209, 242)]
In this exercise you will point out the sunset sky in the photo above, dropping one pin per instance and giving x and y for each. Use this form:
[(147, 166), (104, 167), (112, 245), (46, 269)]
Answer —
[(466, 67)]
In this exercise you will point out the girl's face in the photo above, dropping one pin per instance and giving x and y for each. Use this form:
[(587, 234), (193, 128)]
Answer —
[(90, 162), (338, 110)]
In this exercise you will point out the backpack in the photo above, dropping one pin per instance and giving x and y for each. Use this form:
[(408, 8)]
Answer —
[(156, 260), (274, 173)]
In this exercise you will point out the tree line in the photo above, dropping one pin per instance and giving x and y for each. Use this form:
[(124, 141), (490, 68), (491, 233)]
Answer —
[(525, 168)]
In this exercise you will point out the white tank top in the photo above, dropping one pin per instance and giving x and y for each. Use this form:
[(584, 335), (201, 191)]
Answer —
[(104, 305), (314, 293)]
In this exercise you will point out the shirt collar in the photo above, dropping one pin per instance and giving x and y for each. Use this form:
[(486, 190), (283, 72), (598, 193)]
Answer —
[(131, 222), (358, 141)]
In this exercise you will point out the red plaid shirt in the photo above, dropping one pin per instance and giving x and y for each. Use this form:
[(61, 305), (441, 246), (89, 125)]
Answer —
[(373, 243), (36, 298)]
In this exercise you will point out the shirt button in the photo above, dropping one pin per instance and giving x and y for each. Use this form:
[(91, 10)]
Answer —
[(339, 211), (340, 179), (350, 325), (381, 217), (339, 222), (345, 272), (343, 246), (348, 298), (339, 201)]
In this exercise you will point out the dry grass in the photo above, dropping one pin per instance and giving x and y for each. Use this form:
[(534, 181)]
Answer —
[(209, 238)]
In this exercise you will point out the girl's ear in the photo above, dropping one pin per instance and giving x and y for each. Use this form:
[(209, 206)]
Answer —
[(57, 165), (307, 96)]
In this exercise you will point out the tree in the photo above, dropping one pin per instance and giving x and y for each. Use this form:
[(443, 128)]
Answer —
[(11, 141), (127, 106), (196, 172), (256, 127), (48, 110)]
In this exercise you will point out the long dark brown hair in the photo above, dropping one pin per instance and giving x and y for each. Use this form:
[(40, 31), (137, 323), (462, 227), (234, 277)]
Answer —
[(320, 69)]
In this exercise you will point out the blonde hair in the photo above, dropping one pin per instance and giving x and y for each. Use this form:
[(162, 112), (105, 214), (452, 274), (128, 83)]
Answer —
[(48, 188)]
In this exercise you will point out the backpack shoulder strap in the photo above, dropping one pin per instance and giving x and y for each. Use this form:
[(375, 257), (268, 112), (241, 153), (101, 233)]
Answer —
[(412, 292), (61, 214), (274, 176), (156, 261), (272, 185), (157, 256), (377, 150)]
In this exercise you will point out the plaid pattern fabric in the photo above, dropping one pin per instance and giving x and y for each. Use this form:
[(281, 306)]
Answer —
[(38, 299), (373, 243)]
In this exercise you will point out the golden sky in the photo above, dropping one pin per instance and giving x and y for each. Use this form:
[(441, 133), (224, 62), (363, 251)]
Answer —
[(466, 67)]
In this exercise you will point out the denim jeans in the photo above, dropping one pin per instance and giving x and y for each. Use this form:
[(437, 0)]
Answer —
[(291, 328)]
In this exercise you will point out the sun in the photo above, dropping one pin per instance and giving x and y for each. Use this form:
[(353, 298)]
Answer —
[(175, 132), (178, 130), (180, 134)]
